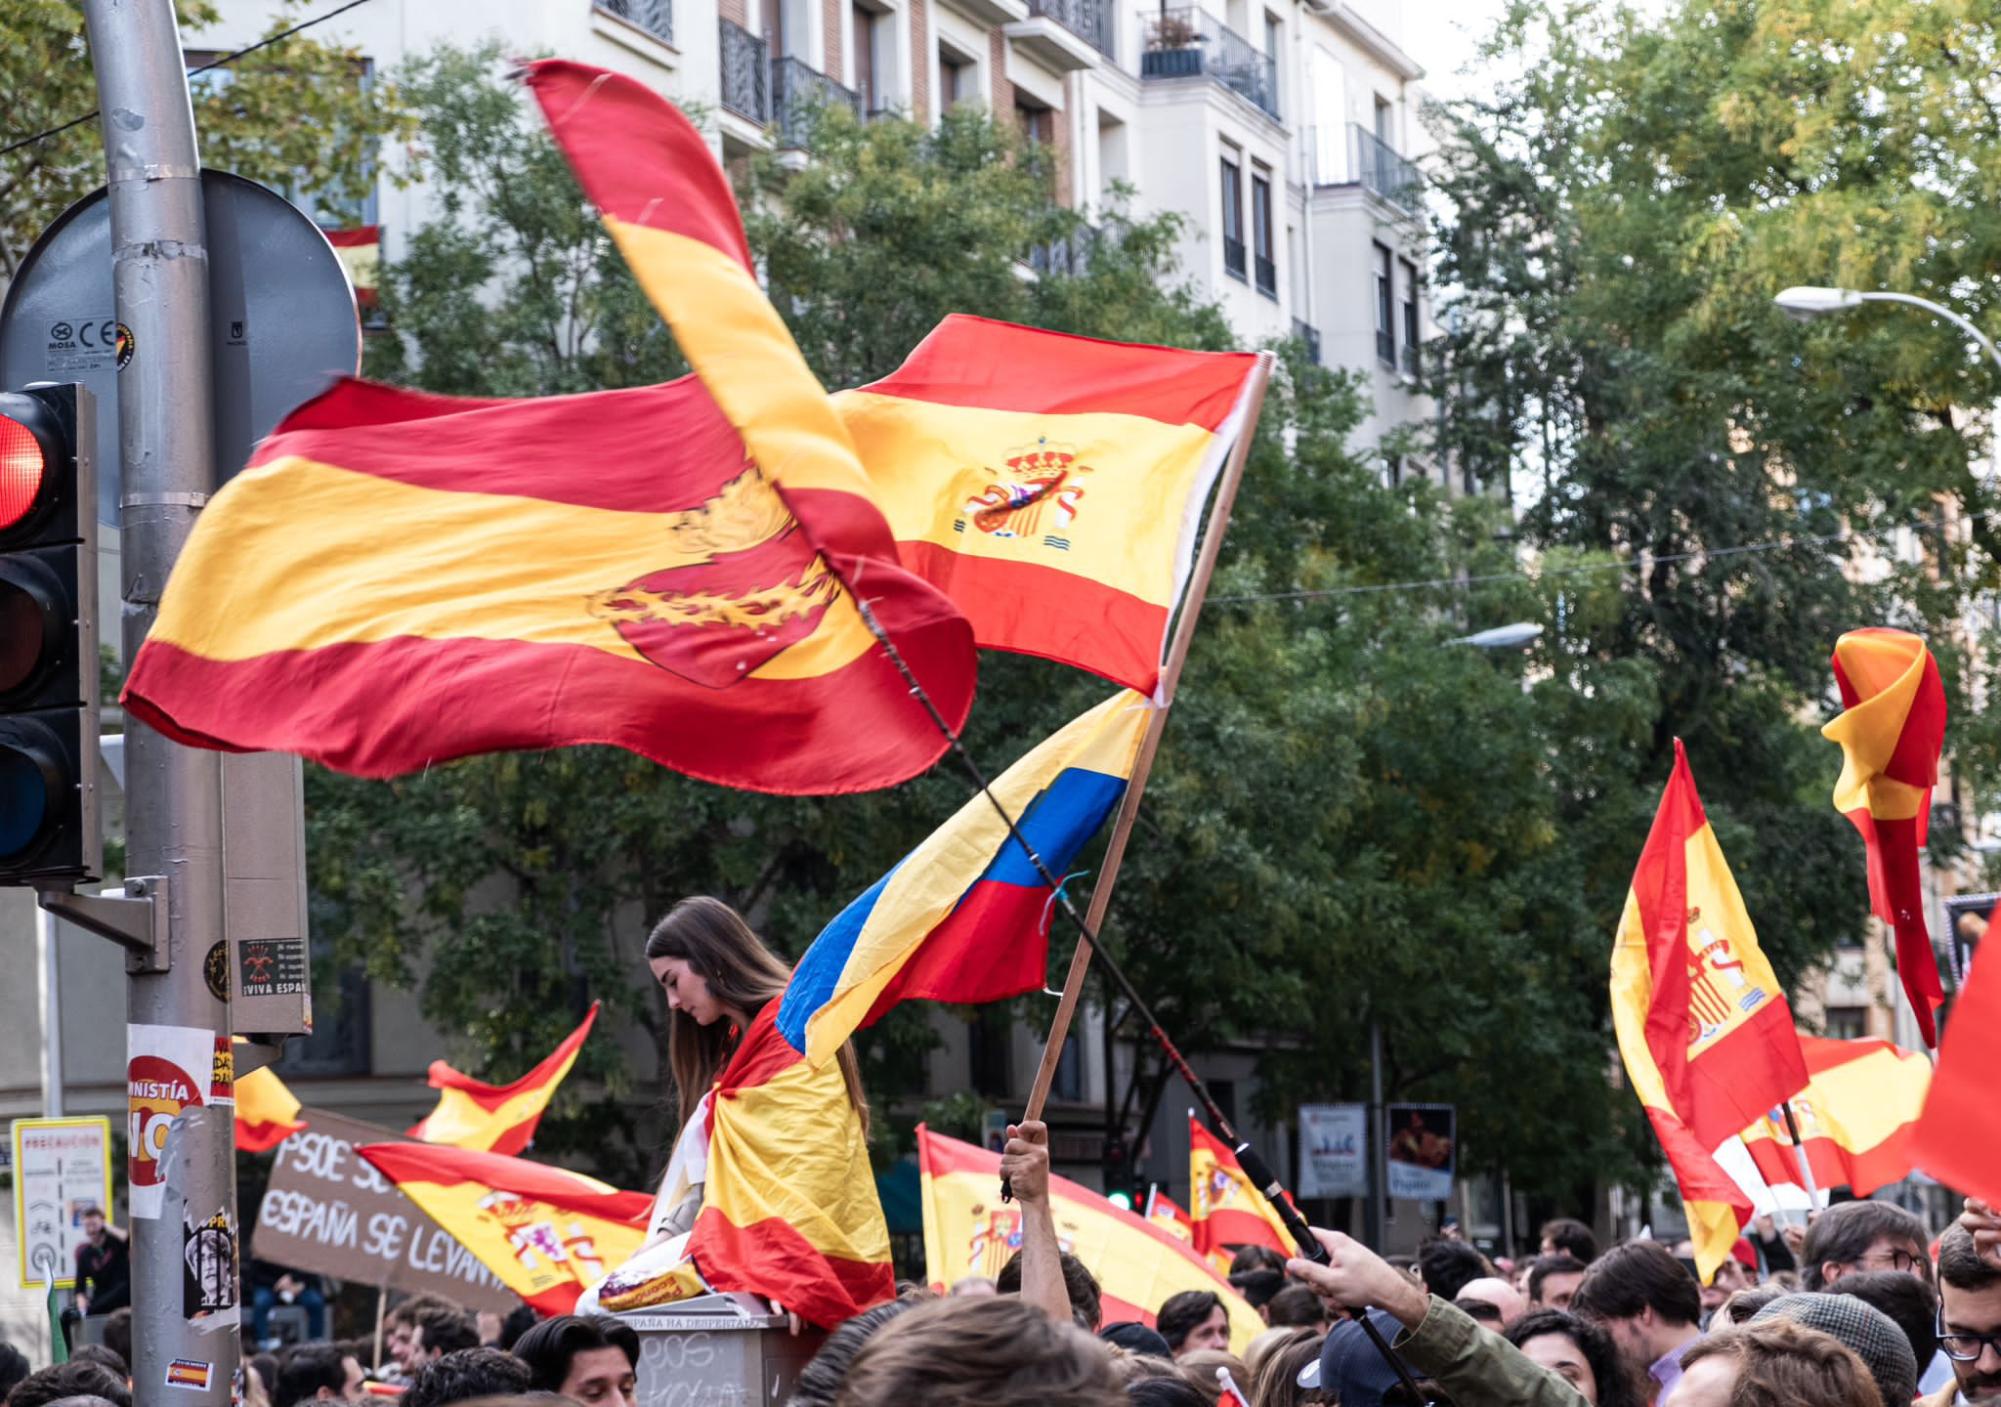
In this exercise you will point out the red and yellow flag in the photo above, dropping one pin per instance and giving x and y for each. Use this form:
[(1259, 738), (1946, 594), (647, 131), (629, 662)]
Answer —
[(1856, 1116), (266, 1112), (968, 1230), (1960, 1129), (1225, 1209), (1703, 1027), (546, 1234), (1052, 485), (1162, 1212), (1891, 732), (498, 1118)]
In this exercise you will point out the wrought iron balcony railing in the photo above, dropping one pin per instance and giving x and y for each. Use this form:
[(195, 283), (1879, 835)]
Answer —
[(1089, 20), (656, 17), (1186, 43), (797, 92), (1381, 170), (746, 73), (1233, 256), (1386, 348), (1267, 276), (1309, 334)]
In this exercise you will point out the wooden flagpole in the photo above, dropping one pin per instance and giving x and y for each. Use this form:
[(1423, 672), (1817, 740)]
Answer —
[(1170, 679)]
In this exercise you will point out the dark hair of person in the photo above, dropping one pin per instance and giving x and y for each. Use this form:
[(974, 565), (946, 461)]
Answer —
[(306, 1370), (118, 1332), (92, 1209), (1911, 1303), (98, 1353), (1181, 1314), (406, 1313), (266, 1365), (1844, 1233), (1296, 1307), (1447, 1267), (1164, 1392), (13, 1368), (1258, 1286), (446, 1329), (991, 1351), (464, 1373), (1256, 1258), (1743, 1306), (1277, 1381), (519, 1321), (548, 1347), (1783, 1364), (713, 939), (1636, 1275), (820, 1381), (1086, 1299), (1572, 1237), (1542, 1267), (1960, 1264), (1615, 1386), (83, 1379)]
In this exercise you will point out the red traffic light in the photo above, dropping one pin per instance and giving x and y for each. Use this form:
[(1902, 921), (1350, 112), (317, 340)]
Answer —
[(23, 467)]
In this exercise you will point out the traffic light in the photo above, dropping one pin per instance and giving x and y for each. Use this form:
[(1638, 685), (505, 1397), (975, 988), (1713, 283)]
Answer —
[(48, 637), (1119, 1174)]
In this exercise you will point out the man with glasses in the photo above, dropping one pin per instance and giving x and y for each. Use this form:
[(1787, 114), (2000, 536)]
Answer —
[(1969, 1322), (1859, 1236)]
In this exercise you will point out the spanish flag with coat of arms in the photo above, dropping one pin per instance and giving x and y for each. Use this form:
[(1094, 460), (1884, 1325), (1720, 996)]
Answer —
[(498, 1118), (1226, 1208), (1704, 1030)]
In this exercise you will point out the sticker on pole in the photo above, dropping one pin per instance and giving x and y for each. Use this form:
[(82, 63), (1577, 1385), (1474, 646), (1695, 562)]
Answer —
[(169, 1069), (190, 1373), (62, 1168), (208, 1282)]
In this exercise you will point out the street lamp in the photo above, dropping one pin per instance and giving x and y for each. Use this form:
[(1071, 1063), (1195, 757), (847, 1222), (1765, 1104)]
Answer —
[(1514, 636), (1805, 302)]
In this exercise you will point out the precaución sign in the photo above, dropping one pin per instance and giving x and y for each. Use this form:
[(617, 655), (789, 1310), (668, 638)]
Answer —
[(61, 1167)]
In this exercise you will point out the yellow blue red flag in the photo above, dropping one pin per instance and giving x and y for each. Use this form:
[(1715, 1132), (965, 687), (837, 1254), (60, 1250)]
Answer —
[(498, 1118)]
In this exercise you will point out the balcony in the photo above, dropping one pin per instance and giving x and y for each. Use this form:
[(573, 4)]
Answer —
[(1064, 35), (798, 92), (1089, 20), (1382, 171), (1307, 333), (746, 73), (1186, 43), (1069, 257), (1233, 257), (1267, 276), (656, 17)]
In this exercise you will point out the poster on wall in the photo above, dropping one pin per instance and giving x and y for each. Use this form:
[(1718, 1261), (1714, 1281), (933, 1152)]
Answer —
[(1421, 1151), (62, 1168), (1333, 1150), (169, 1070)]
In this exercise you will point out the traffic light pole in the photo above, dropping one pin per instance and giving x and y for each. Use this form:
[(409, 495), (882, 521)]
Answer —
[(184, 1228)]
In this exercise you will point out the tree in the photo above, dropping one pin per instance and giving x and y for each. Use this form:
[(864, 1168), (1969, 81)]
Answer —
[(300, 116)]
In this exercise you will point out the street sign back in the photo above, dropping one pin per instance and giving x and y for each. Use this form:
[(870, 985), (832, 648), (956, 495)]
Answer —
[(282, 320), (61, 1166)]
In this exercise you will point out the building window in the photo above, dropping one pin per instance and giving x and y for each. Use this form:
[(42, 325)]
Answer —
[(864, 59), (957, 78), (1386, 122), (1265, 260), (1233, 217), (991, 1052), (1847, 1023), (1409, 271), (1386, 335), (1069, 1082), (1274, 44), (1037, 122)]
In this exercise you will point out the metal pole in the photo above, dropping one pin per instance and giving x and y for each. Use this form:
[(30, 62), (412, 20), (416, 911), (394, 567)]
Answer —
[(173, 794), (52, 1014), (1379, 1165)]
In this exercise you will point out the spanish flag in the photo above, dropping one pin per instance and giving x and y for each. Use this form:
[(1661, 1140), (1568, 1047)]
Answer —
[(266, 1112), (546, 1234), (1225, 1208), (1161, 1211), (1961, 1124), (498, 1118), (1703, 1027), (965, 916), (1052, 485), (1891, 732), (968, 1230), (1856, 1117)]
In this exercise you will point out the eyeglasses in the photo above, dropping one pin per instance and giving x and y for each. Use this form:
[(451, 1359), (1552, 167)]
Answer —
[(1896, 1260), (1963, 1347)]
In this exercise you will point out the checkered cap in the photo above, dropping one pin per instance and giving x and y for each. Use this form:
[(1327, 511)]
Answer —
[(1874, 1336)]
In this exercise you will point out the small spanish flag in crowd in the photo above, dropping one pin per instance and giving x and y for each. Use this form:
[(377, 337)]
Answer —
[(1226, 1209), (546, 1234), (1856, 1116), (1891, 732), (266, 1112), (498, 1118), (968, 1230), (1161, 1211), (1703, 1026)]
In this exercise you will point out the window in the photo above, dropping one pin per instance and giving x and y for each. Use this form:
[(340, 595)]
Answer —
[(340, 1043), (1113, 158), (1233, 216), (1847, 1023), (1409, 271), (991, 1049), (1330, 119), (1274, 45), (865, 77), (1265, 259), (1069, 1081), (1386, 122), (1386, 336), (956, 78), (1037, 122)]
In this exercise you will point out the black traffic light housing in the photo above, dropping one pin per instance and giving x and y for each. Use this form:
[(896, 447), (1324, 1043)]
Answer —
[(49, 835)]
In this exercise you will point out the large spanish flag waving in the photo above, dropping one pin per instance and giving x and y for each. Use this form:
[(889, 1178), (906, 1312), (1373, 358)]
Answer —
[(968, 1230), (498, 1118), (1960, 1129), (1226, 1208), (266, 1112), (1891, 732), (965, 916), (547, 1234), (1703, 1027), (1856, 1117), (1052, 485)]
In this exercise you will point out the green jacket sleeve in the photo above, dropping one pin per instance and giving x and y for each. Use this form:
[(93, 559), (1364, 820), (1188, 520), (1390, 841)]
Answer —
[(1477, 1367)]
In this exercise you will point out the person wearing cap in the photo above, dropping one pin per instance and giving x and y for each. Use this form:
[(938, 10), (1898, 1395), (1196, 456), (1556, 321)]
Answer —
[(1432, 1337), (1868, 1331)]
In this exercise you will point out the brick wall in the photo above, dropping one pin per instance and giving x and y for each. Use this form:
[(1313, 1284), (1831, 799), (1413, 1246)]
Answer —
[(1002, 90), (830, 25), (737, 12), (1061, 139)]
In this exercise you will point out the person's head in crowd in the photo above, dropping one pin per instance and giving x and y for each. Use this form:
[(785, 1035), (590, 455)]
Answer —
[(1139, 1367), (992, 1352), (266, 1365), (1296, 1307), (1730, 1277), (82, 1399), (1086, 1302), (1911, 1303), (1258, 1287), (1867, 1331), (1351, 1371), (974, 1285), (1201, 1366), (256, 1391), (85, 1379), (1568, 1236), (1256, 1258), (1775, 1364), (1579, 1352), (1553, 1279), (1275, 1379), (1164, 1392), (401, 1322), (118, 1332), (594, 1361), (316, 1373), (1193, 1319), (1969, 1299), (1645, 1300), (1857, 1236), (519, 1321), (98, 1353), (1446, 1267), (820, 1381), (1492, 1301), (13, 1368), (1743, 1307), (1135, 1338), (466, 1373), (438, 1330)]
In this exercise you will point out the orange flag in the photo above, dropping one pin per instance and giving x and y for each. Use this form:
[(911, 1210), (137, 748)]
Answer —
[(1227, 1210), (1891, 732), (498, 1118), (1961, 1125), (1856, 1116), (266, 1112)]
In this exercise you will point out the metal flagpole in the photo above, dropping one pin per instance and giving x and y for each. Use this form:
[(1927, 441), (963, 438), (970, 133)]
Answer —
[(184, 1227)]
